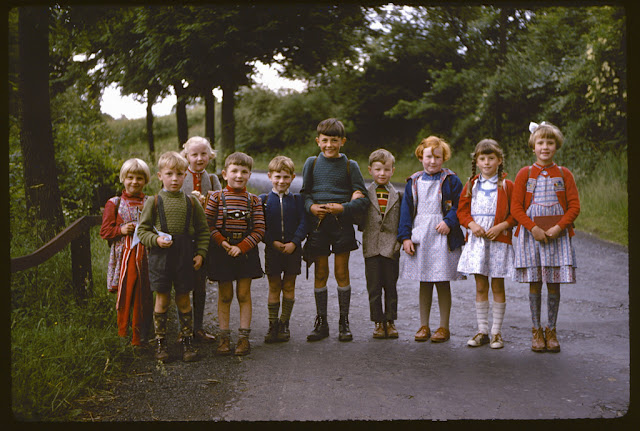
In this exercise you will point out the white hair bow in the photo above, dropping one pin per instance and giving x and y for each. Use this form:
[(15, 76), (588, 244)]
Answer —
[(533, 126)]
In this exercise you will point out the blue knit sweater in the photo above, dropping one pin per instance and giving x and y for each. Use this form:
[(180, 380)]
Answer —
[(290, 216), (329, 181)]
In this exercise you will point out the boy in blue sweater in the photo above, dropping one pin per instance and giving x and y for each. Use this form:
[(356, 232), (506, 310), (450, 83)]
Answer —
[(286, 228), (329, 183)]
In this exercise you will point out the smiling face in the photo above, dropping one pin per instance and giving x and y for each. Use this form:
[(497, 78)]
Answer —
[(237, 176), (198, 156), (544, 149), (381, 172), (172, 178), (281, 181), (488, 164), (134, 183), (330, 145), (432, 160)]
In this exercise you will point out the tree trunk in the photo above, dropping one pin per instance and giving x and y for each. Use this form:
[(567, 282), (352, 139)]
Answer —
[(36, 136), (181, 114), (228, 135), (152, 148), (502, 52), (209, 119)]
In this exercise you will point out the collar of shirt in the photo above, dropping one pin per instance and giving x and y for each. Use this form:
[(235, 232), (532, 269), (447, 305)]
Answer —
[(195, 172), (281, 195), (493, 179), (431, 177)]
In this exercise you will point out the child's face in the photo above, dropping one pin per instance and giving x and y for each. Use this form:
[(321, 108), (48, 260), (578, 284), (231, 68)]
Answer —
[(488, 164), (432, 160), (281, 181), (544, 149), (330, 145), (237, 176), (134, 183), (198, 157), (172, 178), (381, 172)]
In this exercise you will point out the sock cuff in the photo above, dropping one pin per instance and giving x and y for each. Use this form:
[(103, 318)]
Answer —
[(288, 301), (320, 289), (499, 304), (345, 288), (244, 332)]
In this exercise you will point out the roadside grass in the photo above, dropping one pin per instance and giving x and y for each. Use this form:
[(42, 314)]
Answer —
[(61, 351)]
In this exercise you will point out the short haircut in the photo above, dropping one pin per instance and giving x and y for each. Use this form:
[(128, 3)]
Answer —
[(135, 166), (434, 143), (240, 159), (172, 160), (331, 127), (381, 155), (282, 163), (197, 140), (546, 131)]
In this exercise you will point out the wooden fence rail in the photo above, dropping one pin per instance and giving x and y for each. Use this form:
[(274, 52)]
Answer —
[(76, 234)]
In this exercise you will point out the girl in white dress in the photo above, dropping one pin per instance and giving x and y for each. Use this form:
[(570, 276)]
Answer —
[(430, 233), (484, 210)]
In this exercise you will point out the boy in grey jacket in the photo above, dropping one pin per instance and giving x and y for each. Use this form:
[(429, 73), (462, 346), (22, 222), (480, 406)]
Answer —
[(380, 247)]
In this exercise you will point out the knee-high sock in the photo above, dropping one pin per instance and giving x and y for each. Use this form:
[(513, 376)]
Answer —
[(321, 300), (498, 317), (273, 308), (482, 314), (553, 303), (535, 304), (344, 299), (287, 307)]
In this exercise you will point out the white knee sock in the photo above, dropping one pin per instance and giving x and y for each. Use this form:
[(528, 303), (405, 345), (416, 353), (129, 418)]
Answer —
[(498, 317), (482, 314)]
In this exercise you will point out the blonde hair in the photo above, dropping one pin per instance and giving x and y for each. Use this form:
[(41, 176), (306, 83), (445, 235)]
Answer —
[(381, 155), (486, 146), (240, 159), (197, 140), (546, 131), (281, 163), (172, 160), (135, 166), (434, 143)]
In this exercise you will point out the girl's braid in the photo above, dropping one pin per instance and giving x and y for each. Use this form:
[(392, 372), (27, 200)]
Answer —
[(473, 173), (500, 171)]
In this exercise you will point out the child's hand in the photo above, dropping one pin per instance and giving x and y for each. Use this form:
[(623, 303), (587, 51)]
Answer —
[(128, 228), (408, 247), (164, 242), (357, 195), (554, 232), (197, 262), (538, 234), (319, 210), (234, 251), (442, 228), (334, 208), (496, 230), (288, 248), (476, 230), (279, 246)]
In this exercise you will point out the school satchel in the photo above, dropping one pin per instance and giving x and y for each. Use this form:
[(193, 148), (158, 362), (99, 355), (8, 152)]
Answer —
[(546, 222)]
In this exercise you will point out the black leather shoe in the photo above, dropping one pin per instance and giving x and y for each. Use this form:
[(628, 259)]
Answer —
[(344, 334), (321, 329), (272, 334), (283, 331)]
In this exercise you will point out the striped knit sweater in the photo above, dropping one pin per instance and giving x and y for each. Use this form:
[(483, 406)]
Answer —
[(236, 200), (175, 209)]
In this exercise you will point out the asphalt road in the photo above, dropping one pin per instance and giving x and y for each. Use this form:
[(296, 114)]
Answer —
[(371, 379)]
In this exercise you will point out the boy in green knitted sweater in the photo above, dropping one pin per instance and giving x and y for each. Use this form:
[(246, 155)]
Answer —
[(174, 229)]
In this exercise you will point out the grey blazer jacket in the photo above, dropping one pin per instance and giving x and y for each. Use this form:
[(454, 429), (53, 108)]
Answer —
[(379, 232)]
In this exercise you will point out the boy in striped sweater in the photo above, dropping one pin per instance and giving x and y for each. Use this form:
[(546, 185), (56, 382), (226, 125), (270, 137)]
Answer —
[(236, 225)]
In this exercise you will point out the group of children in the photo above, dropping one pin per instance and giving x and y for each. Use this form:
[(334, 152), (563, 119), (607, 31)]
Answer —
[(194, 229)]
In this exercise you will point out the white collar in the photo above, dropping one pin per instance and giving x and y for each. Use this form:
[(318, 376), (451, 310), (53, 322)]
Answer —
[(493, 179), (281, 194), (195, 172)]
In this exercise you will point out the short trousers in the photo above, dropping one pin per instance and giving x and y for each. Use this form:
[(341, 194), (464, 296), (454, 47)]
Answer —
[(334, 235), (222, 267), (172, 266), (275, 263)]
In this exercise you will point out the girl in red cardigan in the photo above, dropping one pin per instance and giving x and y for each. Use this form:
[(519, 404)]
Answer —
[(127, 272), (484, 210), (545, 203)]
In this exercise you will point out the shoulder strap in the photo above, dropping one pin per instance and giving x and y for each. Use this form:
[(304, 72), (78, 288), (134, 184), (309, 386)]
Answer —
[(189, 211), (161, 214), (117, 202)]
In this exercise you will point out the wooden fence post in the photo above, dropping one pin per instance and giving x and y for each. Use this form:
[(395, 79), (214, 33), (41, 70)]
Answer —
[(81, 266)]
